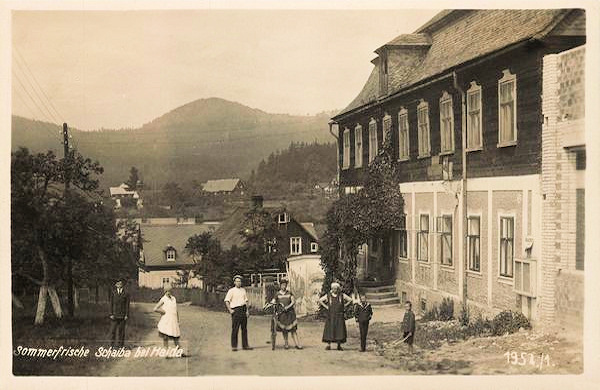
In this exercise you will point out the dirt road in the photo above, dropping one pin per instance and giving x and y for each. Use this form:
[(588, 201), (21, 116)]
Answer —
[(205, 336)]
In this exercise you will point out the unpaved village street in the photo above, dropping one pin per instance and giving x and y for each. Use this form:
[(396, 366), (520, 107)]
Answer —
[(205, 336)]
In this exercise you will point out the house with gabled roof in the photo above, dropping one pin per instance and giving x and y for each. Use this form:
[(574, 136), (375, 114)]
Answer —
[(163, 254), (464, 103), (224, 187), (297, 238), (121, 193)]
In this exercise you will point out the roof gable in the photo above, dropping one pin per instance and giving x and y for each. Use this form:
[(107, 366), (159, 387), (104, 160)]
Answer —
[(157, 239), (221, 185), (457, 36)]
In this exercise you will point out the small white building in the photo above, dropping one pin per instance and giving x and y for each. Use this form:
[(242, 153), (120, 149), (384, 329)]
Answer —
[(122, 192)]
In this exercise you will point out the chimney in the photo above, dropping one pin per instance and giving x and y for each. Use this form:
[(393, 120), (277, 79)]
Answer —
[(257, 201)]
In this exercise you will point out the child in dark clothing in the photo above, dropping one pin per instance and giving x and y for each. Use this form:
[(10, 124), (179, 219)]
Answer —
[(408, 325), (363, 313)]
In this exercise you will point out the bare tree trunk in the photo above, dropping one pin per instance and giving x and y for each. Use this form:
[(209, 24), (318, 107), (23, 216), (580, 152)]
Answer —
[(76, 298), (43, 295), (17, 302), (55, 302), (41, 305)]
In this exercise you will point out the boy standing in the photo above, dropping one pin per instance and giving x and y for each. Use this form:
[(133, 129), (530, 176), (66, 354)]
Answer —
[(408, 325), (363, 313), (119, 312)]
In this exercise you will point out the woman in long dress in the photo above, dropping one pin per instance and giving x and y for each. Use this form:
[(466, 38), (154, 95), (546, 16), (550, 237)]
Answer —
[(285, 316), (168, 326), (335, 325)]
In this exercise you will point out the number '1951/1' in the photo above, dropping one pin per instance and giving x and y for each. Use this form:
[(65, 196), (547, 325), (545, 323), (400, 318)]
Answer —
[(523, 358)]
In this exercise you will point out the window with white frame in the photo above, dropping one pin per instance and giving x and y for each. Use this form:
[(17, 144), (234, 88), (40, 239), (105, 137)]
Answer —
[(387, 128), (346, 152), (473, 243), (423, 125), (283, 218), (507, 109), (403, 143), (372, 139), (423, 238), (314, 247), (170, 254), (358, 148), (474, 128), (401, 239), (446, 124), (295, 245), (507, 247), (445, 234)]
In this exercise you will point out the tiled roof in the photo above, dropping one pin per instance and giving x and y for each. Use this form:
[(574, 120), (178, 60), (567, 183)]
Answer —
[(229, 231), (157, 238), (221, 185), (410, 40), (456, 37)]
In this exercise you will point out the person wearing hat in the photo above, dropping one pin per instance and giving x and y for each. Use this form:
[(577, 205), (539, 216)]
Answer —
[(285, 319), (119, 312), (335, 325), (236, 301)]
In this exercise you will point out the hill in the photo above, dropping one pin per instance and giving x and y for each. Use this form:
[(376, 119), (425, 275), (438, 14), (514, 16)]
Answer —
[(295, 169), (204, 139)]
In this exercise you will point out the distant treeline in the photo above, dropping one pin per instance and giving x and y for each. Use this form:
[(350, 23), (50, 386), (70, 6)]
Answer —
[(296, 169)]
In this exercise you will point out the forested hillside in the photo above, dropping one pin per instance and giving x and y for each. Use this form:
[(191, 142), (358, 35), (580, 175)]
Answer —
[(205, 139)]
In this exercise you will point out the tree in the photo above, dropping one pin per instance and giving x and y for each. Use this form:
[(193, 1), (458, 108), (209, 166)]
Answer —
[(208, 256), (354, 218), (260, 238), (51, 226), (133, 180), (174, 195)]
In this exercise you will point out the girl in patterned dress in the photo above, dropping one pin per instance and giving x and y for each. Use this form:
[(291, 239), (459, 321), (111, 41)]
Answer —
[(285, 318)]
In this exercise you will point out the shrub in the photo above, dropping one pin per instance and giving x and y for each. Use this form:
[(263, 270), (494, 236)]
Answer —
[(446, 312), (443, 312), (509, 322), (464, 316), (479, 327)]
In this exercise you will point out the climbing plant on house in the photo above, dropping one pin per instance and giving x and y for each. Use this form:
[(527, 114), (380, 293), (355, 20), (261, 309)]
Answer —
[(353, 219)]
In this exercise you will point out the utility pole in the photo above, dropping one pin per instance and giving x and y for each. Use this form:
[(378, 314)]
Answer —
[(67, 162)]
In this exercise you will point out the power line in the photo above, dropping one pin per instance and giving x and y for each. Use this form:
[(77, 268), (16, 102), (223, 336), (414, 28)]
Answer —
[(48, 114), (44, 124), (22, 58)]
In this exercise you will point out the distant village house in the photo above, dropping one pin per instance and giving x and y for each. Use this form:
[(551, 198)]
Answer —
[(123, 196), (233, 187)]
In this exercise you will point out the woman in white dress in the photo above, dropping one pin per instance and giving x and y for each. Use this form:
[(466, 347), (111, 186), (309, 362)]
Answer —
[(168, 326)]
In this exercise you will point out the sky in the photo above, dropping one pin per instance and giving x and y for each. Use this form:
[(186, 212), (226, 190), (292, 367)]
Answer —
[(119, 69)]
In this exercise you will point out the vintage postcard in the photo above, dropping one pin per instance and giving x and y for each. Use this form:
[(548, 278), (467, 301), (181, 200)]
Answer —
[(312, 194)]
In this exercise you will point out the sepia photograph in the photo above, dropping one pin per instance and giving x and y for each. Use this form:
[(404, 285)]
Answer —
[(343, 191)]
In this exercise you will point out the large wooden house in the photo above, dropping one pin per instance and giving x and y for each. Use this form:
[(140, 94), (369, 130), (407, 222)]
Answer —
[(469, 85)]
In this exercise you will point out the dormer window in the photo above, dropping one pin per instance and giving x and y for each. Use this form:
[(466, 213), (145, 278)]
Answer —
[(170, 254), (283, 218), (383, 73)]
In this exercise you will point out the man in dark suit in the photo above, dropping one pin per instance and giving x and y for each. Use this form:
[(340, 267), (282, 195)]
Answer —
[(119, 312)]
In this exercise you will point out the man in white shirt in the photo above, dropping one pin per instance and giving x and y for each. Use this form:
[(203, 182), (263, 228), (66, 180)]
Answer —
[(236, 301)]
